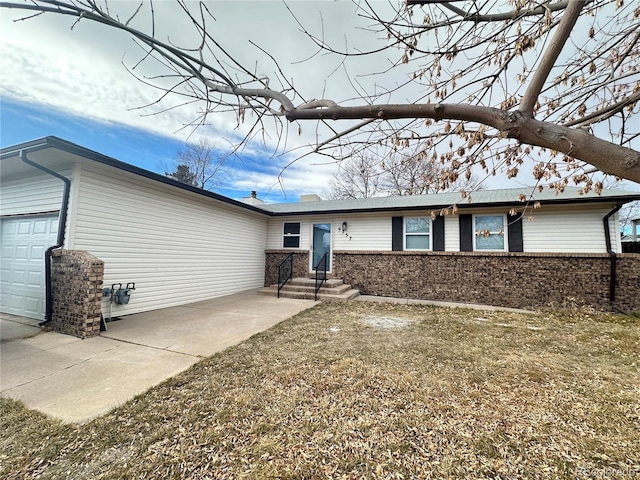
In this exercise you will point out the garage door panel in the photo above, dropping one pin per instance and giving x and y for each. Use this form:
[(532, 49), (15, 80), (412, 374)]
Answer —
[(9, 228), (34, 306), (40, 227), (13, 302), (22, 279), (35, 279), (18, 278), (24, 227), (7, 251), (27, 305), (37, 252)]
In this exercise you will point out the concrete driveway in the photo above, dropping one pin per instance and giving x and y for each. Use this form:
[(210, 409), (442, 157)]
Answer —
[(77, 380)]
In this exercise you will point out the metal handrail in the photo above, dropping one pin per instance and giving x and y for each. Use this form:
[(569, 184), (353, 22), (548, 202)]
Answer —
[(285, 272), (321, 274)]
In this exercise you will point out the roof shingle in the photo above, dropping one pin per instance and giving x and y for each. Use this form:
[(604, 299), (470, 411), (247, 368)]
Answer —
[(481, 198)]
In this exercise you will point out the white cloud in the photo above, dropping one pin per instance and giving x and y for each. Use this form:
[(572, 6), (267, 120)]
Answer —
[(275, 181), (80, 71)]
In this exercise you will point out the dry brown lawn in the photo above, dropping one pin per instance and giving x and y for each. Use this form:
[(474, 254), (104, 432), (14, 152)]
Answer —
[(357, 390)]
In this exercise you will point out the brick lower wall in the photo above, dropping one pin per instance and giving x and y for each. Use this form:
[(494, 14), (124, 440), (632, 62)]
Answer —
[(520, 280), (628, 284), (275, 257), (76, 292)]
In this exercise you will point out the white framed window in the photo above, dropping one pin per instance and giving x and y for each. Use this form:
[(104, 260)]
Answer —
[(291, 235), (417, 233), (490, 232)]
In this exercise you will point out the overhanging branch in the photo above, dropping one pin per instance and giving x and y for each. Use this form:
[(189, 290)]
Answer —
[(287, 105), (607, 112), (487, 115), (550, 57), (493, 17), (574, 142)]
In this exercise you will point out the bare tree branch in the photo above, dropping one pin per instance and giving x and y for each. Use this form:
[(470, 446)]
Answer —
[(550, 57), (606, 112), (474, 86), (496, 17)]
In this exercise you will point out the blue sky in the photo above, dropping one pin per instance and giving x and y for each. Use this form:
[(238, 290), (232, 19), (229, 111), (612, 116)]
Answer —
[(71, 83), (21, 122)]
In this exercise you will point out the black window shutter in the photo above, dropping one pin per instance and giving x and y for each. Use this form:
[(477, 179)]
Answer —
[(397, 227), (514, 230), (466, 233), (438, 234)]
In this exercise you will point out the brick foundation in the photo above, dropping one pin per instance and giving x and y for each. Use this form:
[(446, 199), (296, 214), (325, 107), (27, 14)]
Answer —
[(519, 280), (76, 293), (275, 257), (628, 284)]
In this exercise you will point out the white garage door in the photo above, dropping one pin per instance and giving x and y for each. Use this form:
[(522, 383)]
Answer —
[(22, 280)]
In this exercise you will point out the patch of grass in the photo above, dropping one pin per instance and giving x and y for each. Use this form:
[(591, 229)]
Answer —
[(28, 439), (357, 390)]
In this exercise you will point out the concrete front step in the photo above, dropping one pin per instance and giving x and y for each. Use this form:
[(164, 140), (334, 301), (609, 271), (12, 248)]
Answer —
[(309, 295), (304, 288), (311, 288), (311, 282)]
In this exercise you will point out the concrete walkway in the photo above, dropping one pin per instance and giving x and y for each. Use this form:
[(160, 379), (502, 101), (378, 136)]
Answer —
[(77, 380)]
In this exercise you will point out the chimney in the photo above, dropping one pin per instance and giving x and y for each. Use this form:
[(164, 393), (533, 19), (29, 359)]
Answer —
[(310, 198), (253, 199)]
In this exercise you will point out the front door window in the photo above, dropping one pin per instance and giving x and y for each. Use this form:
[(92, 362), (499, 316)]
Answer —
[(321, 244)]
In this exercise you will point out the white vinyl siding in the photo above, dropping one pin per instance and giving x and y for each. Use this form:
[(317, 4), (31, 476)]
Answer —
[(616, 236), (178, 247), (37, 193), (558, 229), (364, 232), (370, 232), (574, 230)]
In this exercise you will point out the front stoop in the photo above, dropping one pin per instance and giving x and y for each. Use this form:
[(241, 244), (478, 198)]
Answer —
[(304, 288)]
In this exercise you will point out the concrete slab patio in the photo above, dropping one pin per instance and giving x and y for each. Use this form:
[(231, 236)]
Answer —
[(77, 380)]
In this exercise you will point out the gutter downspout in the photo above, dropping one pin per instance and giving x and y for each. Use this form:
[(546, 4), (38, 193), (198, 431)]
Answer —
[(62, 221), (612, 254)]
